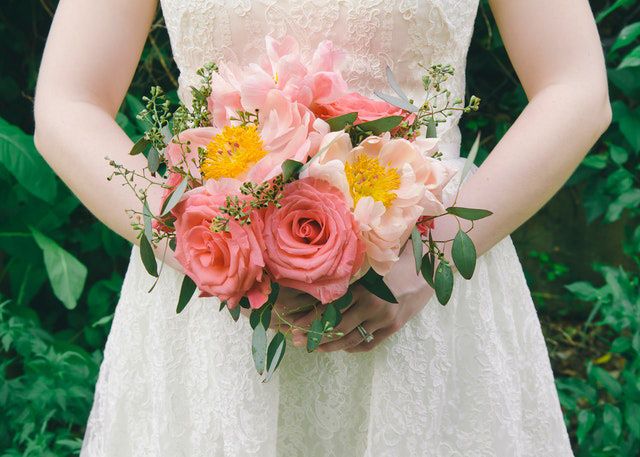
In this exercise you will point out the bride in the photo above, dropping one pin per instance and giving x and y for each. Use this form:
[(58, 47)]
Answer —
[(471, 378)]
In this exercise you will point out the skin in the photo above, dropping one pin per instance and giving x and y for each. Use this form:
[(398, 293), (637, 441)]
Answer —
[(94, 47)]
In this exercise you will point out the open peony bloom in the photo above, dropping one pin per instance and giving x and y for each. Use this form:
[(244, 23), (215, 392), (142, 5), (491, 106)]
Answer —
[(389, 184), (311, 241), (227, 265), (281, 69), (251, 152)]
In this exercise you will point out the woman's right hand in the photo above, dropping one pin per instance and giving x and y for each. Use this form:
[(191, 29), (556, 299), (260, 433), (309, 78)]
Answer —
[(290, 305)]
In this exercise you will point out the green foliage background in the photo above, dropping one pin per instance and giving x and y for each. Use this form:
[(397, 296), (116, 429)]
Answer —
[(581, 253)]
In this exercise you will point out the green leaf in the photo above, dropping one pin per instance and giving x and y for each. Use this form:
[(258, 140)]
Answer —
[(583, 290), (340, 122), (20, 157), (464, 254), (344, 301), (586, 420), (618, 154), (610, 383), (612, 419), (153, 160), (470, 214), (174, 198), (330, 317), (470, 159), (147, 256), (416, 242), (275, 353), (314, 335), (443, 282), (631, 60), (632, 418), (66, 273), (140, 146), (596, 161), (375, 284), (427, 268), (432, 130), (397, 102), (235, 312), (379, 126), (290, 169), (187, 289), (223, 304), (620, 344), (626, 36), (259, 347), (261, 315), (615, 6), (146, 217)]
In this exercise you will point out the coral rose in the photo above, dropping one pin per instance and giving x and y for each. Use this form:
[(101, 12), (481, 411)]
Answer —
[(228, 264), (312, 241), (367, 109)]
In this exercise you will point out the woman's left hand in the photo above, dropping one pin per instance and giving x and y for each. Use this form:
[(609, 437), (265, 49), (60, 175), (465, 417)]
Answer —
[(378, 317)]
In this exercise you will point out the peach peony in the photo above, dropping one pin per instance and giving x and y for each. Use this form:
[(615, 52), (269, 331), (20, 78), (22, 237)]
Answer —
[(367, 109), (389, 184), (182, 151), (311, 241), (227, 265)]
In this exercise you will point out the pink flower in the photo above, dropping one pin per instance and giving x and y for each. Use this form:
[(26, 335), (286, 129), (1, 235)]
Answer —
[(388, 183), (425, 224), (282, 69), (367, 109), (311, 241), (227, 264), (182, 151)]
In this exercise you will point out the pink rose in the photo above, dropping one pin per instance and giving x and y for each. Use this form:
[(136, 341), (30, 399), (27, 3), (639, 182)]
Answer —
[(311, 241), (227, 265), (367, 109)]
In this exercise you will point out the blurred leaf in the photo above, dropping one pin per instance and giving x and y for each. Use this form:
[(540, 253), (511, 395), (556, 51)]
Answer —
[(66, 273), (631, 60), (19, 155), (585, 422)]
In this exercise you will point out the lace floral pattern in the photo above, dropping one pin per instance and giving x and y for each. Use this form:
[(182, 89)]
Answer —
[(469, 379)]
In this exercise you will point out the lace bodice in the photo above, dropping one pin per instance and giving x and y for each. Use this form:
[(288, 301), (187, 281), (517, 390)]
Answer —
[(375, 33)]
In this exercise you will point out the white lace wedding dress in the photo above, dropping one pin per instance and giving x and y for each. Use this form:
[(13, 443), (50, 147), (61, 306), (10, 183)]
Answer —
[(469, 379)]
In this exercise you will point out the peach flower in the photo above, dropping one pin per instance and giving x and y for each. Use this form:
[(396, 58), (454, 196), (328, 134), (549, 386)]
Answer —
[(388, 183), (367, 109), (228, 264), (182, 151), (311, 241)]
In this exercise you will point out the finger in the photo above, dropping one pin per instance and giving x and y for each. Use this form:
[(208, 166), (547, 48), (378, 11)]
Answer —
[(363, 309), (354, 338), (378, 337)]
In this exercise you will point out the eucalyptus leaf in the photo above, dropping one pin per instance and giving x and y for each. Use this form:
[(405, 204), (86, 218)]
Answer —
[(416, 242), (432, 131), (223, 304), (393, 83), (187, 289), (67, 274), (340, 122), (174, 198), (427, 268), (314, 335), (147, 256), (470, 159), (375, 284), (146, 217), (235, 312), (382, 125), (397, 102), (275, 353), (331, 317), (259, 347), (140, 146), (153, 160), (470, 214), (464, 254), (443, 282), (344, 301), (290, 169)]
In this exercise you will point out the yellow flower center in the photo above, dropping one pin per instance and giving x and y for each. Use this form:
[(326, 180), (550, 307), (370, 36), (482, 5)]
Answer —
[(232, 152), (367, 177)]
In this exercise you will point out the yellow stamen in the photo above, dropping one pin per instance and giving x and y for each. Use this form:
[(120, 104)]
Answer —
[(367, 177), (232, 152)]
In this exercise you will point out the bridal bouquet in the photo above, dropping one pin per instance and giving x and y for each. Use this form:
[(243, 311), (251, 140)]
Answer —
[(278, 175)]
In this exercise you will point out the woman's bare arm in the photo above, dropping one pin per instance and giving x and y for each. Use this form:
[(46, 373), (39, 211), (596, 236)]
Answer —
[(89, 60), (556, 52)]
